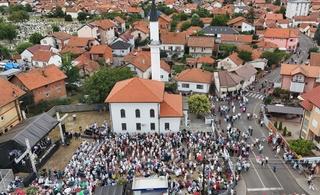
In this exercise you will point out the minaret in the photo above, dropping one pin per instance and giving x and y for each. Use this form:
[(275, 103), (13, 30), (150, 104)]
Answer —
[(154, 43)]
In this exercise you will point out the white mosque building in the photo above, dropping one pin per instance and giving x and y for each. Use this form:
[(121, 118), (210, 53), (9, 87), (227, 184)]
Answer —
[(139, 105)]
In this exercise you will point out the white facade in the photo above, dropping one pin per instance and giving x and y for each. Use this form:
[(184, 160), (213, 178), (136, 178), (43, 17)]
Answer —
[(246, 27), (106, 36), (248, 82), (26, 55), (121, 52), (193, 87), (55, 59), (48, 41), (200, 51), (88, 32), (172, 49), (155, 50), (164, 75), (297, 8), (131, 121), (73, 15)]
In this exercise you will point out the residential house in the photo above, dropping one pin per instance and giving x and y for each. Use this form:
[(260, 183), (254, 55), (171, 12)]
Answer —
[(72, 11), (28, 53), (314, 59), (142, 106), (206, 21), (217, 31), (200, 45), (240, 24), (85, 65), (140, 30), (120, 24), (236, 39), (286, 39), (45, 83), (56, 40), (10, 113), (247, 73), (164, 22), (101, 53), (230, 63), (121, 48), (226, 83), (311, 20), (240, 7), (298, 78), (259, 63), (140, 63), (43, 58), (173, 43), (297, 8), (79, 45), (204, 60), (102, 30), (311, 117), (135, 10), (188, 8), (194, 80)]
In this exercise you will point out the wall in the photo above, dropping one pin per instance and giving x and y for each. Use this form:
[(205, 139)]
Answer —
[(26, 54), (54, 90), (131, 119), (136, 33), (227, 64), (174, 124), (56, 60), (285, 82), (193, 87), (200, 51), (48, 41), (87, 32), (9, 116), (120, 52), (247, 27), (172, 49), (76, 108)]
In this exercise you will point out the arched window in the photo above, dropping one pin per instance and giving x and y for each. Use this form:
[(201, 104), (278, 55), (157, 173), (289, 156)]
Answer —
[(137, 113), (123, 113), (151, 113)]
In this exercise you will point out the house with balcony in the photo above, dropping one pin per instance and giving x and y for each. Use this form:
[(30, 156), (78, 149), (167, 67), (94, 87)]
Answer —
[(285, 38), (102, 30), (310, 126), (173, 43), (200, 45), (298, 78)]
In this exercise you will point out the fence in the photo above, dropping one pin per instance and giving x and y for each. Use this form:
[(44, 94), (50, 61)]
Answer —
[(6, 176), (77, 108)]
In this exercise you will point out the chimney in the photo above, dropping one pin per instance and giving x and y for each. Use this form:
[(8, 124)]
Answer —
[(14, 94), (43, 73)]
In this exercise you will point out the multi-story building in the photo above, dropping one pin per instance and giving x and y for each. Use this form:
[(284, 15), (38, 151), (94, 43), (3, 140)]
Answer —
[(200, 45), (285, 39), (310, 127), (297, 8), (10, 113)]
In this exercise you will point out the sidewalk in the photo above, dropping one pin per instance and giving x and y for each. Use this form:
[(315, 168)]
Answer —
[(301, 180)]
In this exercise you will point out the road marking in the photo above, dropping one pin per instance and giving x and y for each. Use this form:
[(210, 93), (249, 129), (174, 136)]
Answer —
[(263, 189), (257, 173)]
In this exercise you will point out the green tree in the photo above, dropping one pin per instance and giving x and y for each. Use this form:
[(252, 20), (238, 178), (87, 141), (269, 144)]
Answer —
[(22, 46), (301, 146), (317, 35), (282, 10), (251, 15), (185, 25), (173, 25), (313, 50), (195, 21), (245, 55), (280, 126), (18, 16), (285, 130), (276, 124), (7, 31), (4, 52), (202, 12), (68, 18), (82, 16), (71, 71), (227, 49), (199, 104), (28, 8), (165, 9), (99, 85), (55, 28), (277, 2), (274, 57), (220, 20), (35, 38), (57, 12)]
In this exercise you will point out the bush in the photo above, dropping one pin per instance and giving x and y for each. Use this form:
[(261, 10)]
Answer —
[(302, 147), (276, 124), (289, 134), (267, 100), (171, 87), (178, 68), (284, 133), (280, 126)]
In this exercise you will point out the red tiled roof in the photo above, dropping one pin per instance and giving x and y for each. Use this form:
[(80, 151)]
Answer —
[(283, 33), (201, 41), (171, 106), (136, 90), (9, 92), (39, 77), (195, 75), (104, 24), (312, 96), (42, 55)]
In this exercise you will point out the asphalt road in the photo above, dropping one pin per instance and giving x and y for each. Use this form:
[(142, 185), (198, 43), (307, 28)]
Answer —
[(262, 180), (301, 56)]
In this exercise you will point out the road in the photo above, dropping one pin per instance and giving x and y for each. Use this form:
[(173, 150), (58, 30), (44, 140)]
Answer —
[(262, 180), (301, 56)]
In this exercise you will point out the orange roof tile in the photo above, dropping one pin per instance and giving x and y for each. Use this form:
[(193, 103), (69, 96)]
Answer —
[(283, 33), (171, 106), (201, 41), (78, 42), (192, 30), (61, 35), (312, 96), (42, 55), (39, 77), (73, 50), (9, 92), (205, 60), (140, 90), (272, 16), (142, 60), (236, 20), (234, 57), (292, 69), (173, 38), (236, 38), (104, 24), (195, 75), (306, 105)]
